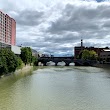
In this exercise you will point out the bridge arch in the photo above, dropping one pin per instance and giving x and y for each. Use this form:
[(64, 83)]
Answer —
[(50, 63), (61, 63), (72, 64)]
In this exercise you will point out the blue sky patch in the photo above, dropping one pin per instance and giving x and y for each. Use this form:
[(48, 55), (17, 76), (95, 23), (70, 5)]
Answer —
[(99, 0)]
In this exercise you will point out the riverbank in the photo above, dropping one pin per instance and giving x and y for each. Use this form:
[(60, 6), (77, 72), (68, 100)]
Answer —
[(101, 65), (25, 70)]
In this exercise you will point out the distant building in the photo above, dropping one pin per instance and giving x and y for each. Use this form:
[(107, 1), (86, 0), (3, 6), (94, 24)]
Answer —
[(97, 50), (46, 55), (16, 49), (35, 53), (7, 30), (105, 55), (77, 50), (13, 48)]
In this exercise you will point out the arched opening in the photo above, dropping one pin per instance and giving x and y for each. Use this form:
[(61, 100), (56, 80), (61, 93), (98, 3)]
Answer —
[(50, 63), (40, 64), (71, 64), (61, 63)]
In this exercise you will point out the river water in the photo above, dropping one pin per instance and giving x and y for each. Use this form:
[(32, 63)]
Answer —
[(57, 88)]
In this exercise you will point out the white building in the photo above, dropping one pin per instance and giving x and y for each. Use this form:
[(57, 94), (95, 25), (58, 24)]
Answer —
[(16, 49)]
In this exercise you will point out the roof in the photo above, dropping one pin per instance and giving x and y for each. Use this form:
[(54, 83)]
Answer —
[(107, 50)]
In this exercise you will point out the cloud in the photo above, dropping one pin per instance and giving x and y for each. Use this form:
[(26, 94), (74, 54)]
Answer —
[(29, 18), (56, 26), (81, 18), (91, 20)]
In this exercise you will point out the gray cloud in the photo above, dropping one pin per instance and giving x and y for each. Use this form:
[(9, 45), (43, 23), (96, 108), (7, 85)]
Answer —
[(29, 18), (63, 38), (75, 19)]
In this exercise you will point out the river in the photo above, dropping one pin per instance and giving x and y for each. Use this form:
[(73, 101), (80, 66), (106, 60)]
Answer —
[(57, 88)]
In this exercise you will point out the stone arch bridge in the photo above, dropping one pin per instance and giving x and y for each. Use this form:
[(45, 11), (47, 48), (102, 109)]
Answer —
[(67, 60)]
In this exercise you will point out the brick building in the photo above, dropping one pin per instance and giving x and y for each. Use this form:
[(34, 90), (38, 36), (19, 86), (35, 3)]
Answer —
[(77, 50), (7, 30)]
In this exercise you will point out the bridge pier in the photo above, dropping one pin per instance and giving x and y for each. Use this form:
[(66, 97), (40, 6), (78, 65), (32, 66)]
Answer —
[(45, 64), (67, 64), (56, 64)]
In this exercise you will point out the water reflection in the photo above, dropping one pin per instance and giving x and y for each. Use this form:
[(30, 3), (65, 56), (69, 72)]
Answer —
[(59, 63), (57, 88)]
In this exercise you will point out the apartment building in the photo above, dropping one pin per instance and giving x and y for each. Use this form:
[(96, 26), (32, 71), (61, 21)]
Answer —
[(7, 30)]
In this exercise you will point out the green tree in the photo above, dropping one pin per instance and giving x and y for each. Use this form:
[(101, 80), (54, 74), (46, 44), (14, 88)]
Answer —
[(3, 65), (29, 55), (91, 55), (85, 54), (8, 61), (11, 60), (34, 60), (19, 63), (26, 55)]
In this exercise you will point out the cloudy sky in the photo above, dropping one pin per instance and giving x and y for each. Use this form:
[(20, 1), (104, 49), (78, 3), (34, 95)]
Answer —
[(56, 26)]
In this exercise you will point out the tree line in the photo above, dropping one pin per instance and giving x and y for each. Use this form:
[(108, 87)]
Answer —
[(88, 55), (9, 62)]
